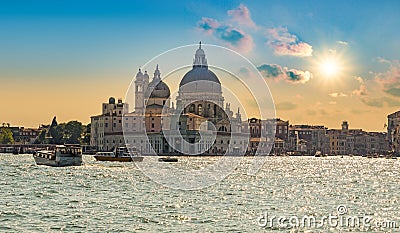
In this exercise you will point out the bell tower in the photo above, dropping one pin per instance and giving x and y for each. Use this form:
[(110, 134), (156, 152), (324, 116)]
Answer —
[(140, 86)]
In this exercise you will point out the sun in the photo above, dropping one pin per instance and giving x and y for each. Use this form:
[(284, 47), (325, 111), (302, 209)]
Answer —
[(329, 67)]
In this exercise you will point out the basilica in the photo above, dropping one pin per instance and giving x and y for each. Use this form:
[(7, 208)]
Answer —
[(198, 122)]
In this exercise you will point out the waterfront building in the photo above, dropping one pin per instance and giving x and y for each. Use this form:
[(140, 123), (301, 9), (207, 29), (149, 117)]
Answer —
[(393, 131), (106, 129), (265, 133), (356, 141), (308, 138), (22, 135), (156, 127)]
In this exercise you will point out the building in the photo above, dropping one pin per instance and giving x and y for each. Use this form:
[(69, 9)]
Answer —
[(22, 135), (106, 129), (201, 123), (393, 131), (308, 139), (356, 141)]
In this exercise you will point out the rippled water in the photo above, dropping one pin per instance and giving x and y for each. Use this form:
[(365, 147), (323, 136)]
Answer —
[(117, 197)]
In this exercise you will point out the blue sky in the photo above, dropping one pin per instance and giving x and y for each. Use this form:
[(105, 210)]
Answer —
[(50, 46)]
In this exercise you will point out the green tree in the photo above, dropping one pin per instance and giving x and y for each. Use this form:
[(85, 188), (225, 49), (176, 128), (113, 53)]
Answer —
[(73, 131), (41, 138), (57, 134), (86, 134), (6, 136)]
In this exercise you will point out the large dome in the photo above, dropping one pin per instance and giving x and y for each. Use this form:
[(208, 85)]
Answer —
[(199, 74), (200, 71)]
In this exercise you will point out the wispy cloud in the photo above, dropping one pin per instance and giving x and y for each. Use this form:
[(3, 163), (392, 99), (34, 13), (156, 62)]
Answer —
[(389, 81), (337, 94), (380, 102), (276, 72), (233, 37), (286, 44), (286, 106), (362, 90), (341, 42), (241, 15)]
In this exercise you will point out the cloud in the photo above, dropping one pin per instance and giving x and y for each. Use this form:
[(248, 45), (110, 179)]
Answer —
[(359, 79), (362, 91), (341, 42), (285, 106), (287, 44), (241, 15), (231, 36), (382, 60), (395, 91), (389, 81), (208, 25), (276, 72), (311, 112), (336, 94), (380, 102), (244, 70), (332, 102)]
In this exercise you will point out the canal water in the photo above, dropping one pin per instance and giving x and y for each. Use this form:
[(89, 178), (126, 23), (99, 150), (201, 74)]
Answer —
[(118, 197)]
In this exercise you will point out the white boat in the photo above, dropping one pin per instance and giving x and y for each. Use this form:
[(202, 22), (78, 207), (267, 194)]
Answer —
[(61, 156), (121, 154)]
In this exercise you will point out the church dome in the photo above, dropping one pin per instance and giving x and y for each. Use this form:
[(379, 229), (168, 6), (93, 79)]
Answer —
[(158, 88), (200, 71), (199, 74), (139, 75)]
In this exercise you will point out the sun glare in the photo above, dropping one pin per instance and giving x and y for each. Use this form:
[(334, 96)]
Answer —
[(329, 67)]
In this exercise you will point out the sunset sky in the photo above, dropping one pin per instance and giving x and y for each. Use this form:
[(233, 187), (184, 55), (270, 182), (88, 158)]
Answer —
[(324, 61)]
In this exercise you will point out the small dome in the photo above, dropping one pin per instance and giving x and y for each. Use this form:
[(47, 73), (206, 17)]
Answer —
[(159, 89), (139, 75), (199, 74), (145, 76), (111, 100), (200, 51)]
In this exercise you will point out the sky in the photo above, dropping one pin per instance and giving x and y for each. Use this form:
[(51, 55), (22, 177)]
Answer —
[(324, 61)]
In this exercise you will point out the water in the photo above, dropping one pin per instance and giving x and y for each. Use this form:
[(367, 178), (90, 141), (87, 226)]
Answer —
[(117, 197)]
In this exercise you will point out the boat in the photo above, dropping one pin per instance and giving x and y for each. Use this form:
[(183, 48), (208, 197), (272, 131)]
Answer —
[(167, 159), (318, 154), (121, 154), (61, 156)]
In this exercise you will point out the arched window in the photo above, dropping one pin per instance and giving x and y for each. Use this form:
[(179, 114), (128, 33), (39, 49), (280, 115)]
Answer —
[(199, 109), (191, 108), (222, 129)]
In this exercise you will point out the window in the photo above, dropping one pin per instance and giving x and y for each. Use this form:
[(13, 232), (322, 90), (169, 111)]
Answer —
[(200, 109), (152, 125), (106, 125)]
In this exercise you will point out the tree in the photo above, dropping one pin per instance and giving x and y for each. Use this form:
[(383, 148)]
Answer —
[(57, 135), (86, 134), (73, 131), (41, 138), (6, 136)]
